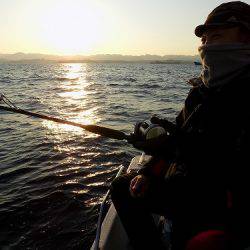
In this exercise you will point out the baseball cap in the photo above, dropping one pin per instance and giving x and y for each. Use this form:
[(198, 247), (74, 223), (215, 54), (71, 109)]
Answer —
[(228, 14)]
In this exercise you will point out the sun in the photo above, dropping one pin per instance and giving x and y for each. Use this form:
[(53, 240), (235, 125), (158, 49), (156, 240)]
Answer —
[(72, 27)]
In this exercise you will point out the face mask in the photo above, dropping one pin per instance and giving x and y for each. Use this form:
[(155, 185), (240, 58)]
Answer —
[(223, 62)]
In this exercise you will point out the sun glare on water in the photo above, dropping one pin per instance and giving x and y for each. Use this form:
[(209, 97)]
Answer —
[(74, 93)]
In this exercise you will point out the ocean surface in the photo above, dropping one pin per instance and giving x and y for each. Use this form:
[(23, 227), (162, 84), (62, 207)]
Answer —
[(52, 176)]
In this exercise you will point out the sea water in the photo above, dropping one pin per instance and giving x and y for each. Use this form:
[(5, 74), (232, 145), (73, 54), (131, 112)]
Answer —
[(53, 176)]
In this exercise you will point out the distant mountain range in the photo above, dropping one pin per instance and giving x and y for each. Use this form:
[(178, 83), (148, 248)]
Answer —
[(26, 57)]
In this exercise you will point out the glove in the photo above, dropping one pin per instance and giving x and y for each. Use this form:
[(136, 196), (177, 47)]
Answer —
[(167, 125), (139, 186)]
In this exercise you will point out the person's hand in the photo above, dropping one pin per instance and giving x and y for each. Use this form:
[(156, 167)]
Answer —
[(167, 125), (156, 119), (139, 185)]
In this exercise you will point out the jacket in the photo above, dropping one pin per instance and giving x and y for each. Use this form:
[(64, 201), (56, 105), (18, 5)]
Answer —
[(212, 149)]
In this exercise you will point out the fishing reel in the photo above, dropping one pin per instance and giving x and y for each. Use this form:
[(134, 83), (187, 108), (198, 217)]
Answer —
[(147, 130)]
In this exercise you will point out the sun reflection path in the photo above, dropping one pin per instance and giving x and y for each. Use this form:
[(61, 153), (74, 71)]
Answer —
[(74, 70), (72, 102), (72, 94)]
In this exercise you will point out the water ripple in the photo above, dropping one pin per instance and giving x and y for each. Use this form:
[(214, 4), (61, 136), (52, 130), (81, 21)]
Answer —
[(53, 177)]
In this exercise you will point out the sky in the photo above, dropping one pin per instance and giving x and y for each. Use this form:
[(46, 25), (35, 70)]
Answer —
[(85, 27)]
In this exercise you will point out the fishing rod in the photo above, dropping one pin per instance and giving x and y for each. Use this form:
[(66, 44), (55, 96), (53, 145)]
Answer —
[(143, 131), (103, 131)]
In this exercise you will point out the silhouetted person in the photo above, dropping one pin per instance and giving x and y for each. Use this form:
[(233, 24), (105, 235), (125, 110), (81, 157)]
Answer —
[(203, 185)]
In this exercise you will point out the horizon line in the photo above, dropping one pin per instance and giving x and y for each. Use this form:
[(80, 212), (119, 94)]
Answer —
[(88, 55)]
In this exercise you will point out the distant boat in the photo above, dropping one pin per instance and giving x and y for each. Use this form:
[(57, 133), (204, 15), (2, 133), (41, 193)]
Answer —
[(197, 63)]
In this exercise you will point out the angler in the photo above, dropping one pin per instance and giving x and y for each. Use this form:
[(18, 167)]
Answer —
[(203, 186), (194, 172)]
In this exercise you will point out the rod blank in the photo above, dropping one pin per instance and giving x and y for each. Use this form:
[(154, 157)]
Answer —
[(104, 131)]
